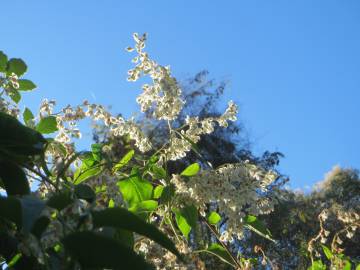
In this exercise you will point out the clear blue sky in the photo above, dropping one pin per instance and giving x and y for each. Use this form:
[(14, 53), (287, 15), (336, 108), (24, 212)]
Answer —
[(294, 66)]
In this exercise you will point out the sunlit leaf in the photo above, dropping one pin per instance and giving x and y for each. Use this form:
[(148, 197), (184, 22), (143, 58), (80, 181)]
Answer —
[(327, 252), (125, 160), (214, 218), (186, 219), (191, 170), (134, 189), (158, 191)]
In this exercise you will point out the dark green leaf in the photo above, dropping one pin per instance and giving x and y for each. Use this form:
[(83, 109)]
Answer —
[(26, 85), (123, 219), (96, 251), (214, 218), (167, 194), (125, 237), (31, 208), (17, 66), (17, 141), (60, 200), (47, 125), (85, 192), (159, 172), (3, 61), (134, 190), (191, 170), (14, 179), (40, 226), (10, 209)]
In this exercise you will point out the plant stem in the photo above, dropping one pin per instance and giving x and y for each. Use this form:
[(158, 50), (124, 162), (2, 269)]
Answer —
[(213, 230)]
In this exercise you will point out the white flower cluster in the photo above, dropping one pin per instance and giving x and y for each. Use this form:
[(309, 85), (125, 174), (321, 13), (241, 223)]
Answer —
[(163, 97), (237, 189), (69, 116), (163, 259), (164, 94), (179, 146)]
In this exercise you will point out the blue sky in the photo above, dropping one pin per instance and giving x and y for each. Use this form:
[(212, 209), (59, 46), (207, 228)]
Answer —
[(293, 66)]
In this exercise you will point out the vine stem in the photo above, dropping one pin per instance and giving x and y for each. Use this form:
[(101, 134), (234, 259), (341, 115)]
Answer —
[(213, 230)]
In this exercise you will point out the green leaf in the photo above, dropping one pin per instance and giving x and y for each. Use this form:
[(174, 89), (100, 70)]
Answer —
[(60, 200), (92, 250), (17, 66), (14, 95), (31, 208), (134, 190), (3, 61), (158, 191), (40, 226), (144, 207), (214, 218), (85, 192), (191, 170), (10, 209), (18, 141), (358, 267), (26, 85), (125, 160), (220, 252), (167, 194), (121, 218), (83, 175), (257, 226), (27, 115), (159, 172), (327, 252), (347, 265), (96, 151), (317, 265), (125, 237), (182, 223), (47, 125), (14, 179), (186, 218)]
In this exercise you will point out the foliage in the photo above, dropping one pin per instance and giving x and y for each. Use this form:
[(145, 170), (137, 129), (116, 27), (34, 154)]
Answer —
[(178, 194)]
